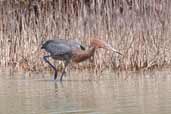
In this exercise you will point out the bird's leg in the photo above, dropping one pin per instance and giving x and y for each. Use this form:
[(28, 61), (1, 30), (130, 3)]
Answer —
[(63, 71), (46, 60)]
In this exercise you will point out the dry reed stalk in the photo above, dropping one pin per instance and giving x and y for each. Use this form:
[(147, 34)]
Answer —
[(140, 29)]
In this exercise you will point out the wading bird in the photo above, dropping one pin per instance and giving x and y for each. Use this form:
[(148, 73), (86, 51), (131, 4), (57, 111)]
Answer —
[(68, 51)]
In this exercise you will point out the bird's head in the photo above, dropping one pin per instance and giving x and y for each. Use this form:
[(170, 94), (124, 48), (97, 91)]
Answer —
[(97, 43)]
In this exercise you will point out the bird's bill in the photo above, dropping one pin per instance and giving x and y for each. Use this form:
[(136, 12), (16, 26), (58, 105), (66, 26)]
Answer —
[(112, 49)]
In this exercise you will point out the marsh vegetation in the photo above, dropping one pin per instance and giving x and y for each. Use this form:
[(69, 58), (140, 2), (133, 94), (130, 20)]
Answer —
[(140, 29)]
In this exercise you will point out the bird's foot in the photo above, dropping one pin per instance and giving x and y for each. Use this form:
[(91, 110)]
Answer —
[(60, 79)]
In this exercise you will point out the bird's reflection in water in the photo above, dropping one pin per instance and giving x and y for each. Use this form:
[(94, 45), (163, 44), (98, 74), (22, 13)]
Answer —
[(58, 85)]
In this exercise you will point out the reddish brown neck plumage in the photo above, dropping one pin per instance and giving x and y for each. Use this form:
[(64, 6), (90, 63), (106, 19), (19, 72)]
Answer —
[(80, 55)]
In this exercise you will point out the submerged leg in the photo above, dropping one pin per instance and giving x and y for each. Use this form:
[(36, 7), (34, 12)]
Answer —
[(63, 71), (46, 60)]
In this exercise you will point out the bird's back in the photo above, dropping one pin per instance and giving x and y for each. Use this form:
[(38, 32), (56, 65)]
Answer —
[(61, 47), (75, 45), (56, 48)]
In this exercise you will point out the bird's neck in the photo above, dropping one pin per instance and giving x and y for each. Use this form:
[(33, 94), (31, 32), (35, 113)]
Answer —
[(80, 56), (91, 51)]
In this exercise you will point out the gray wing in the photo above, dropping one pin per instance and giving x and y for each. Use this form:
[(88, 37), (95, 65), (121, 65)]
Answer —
[(76, 45), (58, 48), (72, 43)]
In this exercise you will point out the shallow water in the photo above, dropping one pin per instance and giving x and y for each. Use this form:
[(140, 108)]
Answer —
[(84, 93)]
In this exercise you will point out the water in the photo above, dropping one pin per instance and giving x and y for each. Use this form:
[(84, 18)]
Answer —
[(84, 93)]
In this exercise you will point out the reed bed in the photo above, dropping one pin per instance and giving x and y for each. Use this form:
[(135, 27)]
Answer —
[(140, 29)]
